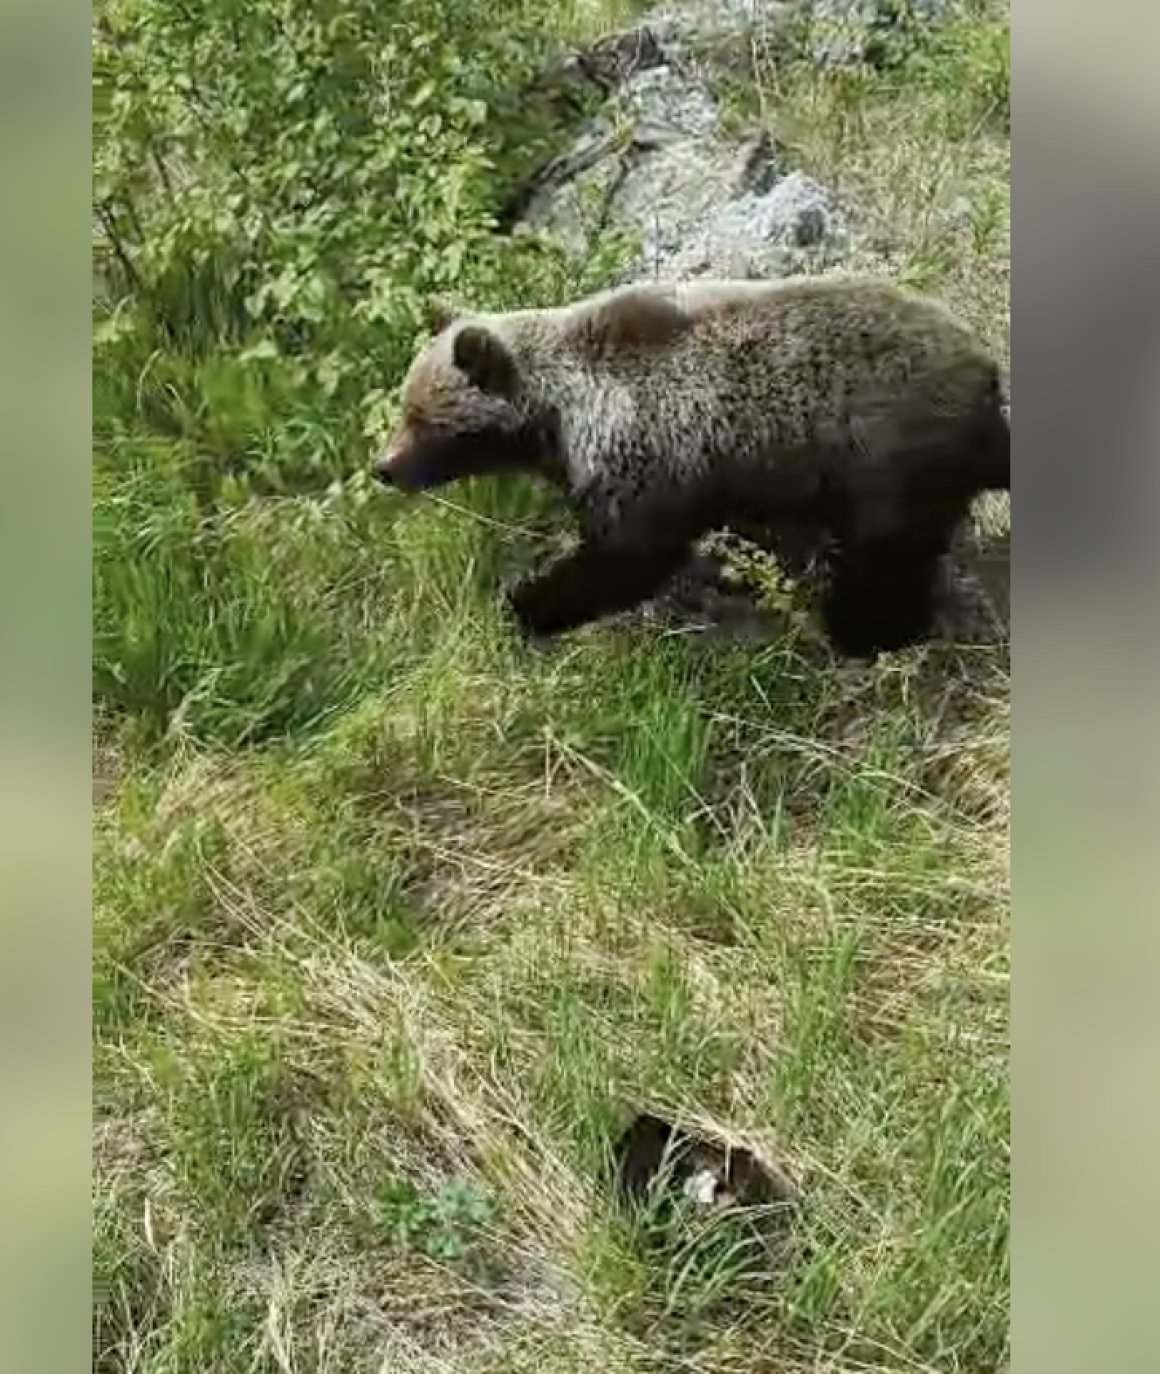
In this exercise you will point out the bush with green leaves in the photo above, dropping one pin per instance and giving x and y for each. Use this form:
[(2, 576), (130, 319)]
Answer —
[(299, 175), (279, 186)]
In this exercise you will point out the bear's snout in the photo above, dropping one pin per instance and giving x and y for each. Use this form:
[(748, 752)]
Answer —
[(414, 463), (388, 467)]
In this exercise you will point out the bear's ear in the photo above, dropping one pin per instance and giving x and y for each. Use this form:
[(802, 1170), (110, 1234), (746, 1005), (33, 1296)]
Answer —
[(484, 359), (439, 314)]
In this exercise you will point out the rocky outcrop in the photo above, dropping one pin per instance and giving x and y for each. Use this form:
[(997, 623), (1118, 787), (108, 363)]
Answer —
[(657, 164)]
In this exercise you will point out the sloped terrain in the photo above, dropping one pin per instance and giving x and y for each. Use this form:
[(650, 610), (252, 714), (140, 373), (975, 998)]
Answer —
[(401, 926)]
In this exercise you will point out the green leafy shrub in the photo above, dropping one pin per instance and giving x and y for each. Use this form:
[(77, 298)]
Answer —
[(278, 188), (306, 170)]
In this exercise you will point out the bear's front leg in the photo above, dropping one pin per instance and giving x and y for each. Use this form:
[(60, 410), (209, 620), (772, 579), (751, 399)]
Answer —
[(592, 581)]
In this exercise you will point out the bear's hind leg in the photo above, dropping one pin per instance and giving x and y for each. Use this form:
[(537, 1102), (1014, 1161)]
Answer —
[(882, 592)]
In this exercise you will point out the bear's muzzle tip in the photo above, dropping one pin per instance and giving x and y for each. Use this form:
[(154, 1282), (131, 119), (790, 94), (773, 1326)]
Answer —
[(383, 468)]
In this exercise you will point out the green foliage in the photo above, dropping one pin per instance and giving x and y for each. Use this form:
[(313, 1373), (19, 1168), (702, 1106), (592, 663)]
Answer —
[(278, 187), (292, 180), (966, 60), (199, 623), (182, 1317), (154, 910), (235, 1148), (962, 56), (444, 1225), (699, 1266), (990, 219), (302, 171)]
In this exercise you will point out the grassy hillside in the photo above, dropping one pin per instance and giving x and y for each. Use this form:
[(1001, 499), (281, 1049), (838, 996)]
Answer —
[(396, 919)]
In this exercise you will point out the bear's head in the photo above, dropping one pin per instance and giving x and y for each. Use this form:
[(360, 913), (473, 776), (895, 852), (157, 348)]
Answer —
[(464, 413)]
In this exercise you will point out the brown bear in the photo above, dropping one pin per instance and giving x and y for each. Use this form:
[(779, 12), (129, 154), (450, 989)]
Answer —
[(667, 410)]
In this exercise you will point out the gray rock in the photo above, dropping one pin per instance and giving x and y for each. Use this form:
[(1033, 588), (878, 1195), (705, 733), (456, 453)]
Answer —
[(611, 60), (842, 30), (754, 235), (666, 99), (657, 179), (689, 25), (875, 11), (845, 32)]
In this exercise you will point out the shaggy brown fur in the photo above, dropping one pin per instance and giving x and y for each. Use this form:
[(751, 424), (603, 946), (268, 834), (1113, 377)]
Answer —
[(667, 410)]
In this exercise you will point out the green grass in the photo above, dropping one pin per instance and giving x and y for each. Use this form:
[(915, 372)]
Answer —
[(397, 919)]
